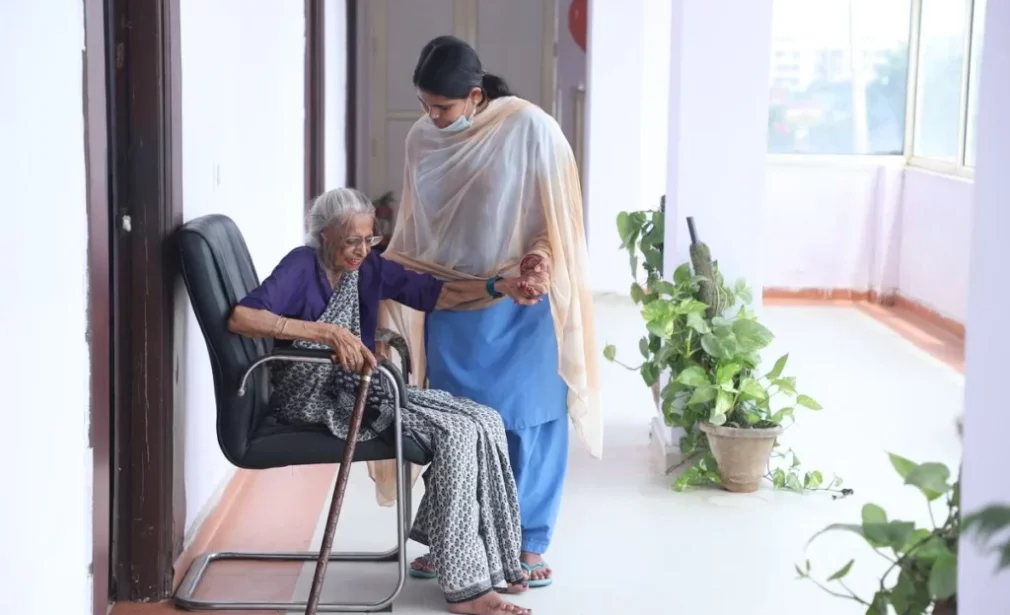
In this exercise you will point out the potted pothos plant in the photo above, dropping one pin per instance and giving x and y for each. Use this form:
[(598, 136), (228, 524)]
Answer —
[(704, 337)]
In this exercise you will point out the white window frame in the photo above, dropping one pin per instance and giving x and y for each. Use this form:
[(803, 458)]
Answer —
[(958, 168)]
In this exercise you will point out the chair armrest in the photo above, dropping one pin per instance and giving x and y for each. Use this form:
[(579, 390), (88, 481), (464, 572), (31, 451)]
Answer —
[(297, 355), (387, 369), (397, 341)]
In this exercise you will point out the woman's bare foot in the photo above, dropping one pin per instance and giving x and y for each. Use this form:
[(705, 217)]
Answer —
[(490, 603), (538, 570)]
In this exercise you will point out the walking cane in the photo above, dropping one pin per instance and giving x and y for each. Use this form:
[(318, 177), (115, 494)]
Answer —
[(343, 474)]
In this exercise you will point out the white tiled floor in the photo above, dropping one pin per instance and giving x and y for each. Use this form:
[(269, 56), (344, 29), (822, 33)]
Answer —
[(626, 544)]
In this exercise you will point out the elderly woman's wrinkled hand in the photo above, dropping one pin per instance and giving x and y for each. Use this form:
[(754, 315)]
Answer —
[(349, 351), (534, 276)]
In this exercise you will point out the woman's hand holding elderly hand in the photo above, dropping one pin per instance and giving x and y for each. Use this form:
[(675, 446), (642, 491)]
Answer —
[(533, 281), (350, 352), (534, 275)]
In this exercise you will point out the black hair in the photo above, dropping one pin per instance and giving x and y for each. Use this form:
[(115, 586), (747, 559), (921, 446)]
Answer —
[(450, 67)]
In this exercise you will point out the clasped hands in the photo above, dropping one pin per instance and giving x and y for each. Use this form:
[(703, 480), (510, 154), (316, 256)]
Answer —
[(533, 282)]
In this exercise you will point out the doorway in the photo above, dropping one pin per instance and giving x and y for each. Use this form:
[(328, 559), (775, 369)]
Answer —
[(132, 106), (516, 41)]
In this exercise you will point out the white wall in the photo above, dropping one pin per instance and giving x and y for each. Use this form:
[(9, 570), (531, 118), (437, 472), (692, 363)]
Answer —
[(45, 367), (986, 454), (832, 224), (243, 152), (614, 81), (936, 241)]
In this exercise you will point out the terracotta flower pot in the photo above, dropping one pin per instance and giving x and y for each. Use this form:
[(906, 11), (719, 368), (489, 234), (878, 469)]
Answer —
[(742, 454)]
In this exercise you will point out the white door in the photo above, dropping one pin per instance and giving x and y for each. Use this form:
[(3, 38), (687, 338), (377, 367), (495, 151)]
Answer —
[(514, 38)]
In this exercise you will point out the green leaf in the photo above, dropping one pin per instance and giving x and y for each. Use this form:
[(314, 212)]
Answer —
[(780, 416), (808, 402), (662, 287), (842, 572), (903, 466), (780, 365), (931, 479), (650, 373), (751, 335), (682, 275), (717, 418), (624, 228), (813, 480), (787, 385), (873, 514), (908, 595), (693, 376), (879, 604), (725, 372), (719, 347), (985, 523), (702, 395), (637, 293), (610, 352), (893, 534), (943, 576), (752, 389), (723, 403), (696, 321), (643, 347)]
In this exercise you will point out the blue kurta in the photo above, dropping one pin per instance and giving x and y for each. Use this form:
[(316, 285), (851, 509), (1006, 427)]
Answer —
[(506, 357)]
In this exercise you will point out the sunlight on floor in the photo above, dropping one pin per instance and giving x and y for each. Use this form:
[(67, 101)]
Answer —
[(627, 544)]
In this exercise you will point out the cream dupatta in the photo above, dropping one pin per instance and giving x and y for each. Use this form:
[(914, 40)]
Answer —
[(473, 204)]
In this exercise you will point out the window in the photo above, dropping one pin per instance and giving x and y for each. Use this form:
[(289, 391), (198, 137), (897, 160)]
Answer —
[(971, 122), (840, 79), (839, 72), (942, 35)]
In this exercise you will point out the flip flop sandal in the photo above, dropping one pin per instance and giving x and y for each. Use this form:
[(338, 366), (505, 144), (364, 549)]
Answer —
[(425, 575), (533, 583)]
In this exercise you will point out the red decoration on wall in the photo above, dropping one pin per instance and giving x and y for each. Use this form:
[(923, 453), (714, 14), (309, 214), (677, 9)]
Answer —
[(577, 22)]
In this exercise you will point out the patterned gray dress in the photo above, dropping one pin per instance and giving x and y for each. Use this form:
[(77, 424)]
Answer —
[(469, 515)]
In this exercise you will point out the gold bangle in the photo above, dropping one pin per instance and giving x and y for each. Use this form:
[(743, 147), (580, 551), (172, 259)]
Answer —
[(284, 325)]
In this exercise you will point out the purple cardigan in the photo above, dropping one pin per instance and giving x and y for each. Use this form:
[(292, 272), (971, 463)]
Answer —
[(298, 288)]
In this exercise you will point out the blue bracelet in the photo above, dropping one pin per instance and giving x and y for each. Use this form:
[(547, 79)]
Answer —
[(490, 286)]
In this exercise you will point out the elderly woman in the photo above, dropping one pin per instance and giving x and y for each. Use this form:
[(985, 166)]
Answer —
[(326, 294)]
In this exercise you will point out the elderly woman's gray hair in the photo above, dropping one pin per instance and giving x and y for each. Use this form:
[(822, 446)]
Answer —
[(334, 207)]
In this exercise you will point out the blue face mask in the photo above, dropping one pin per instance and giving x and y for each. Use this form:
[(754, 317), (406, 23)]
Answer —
[(462, 123)]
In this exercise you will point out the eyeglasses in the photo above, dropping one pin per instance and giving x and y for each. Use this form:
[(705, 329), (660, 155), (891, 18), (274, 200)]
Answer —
[(354, 242)]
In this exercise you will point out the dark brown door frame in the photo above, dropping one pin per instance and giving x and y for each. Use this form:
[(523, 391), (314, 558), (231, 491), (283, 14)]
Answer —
[(99, 295), (144, 102), (315, 99), (351, 136), (315, 95)]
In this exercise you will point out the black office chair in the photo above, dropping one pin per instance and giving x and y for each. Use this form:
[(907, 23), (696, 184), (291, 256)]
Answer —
[(218, 272)]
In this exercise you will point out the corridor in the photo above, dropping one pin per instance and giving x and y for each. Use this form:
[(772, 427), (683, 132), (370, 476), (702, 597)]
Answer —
[(626, 543)]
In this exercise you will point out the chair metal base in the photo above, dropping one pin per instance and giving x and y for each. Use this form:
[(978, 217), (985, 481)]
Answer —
[(185, 596), (185, 599)]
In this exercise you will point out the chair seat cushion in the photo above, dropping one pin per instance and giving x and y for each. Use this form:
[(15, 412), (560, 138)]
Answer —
[(277, 445)]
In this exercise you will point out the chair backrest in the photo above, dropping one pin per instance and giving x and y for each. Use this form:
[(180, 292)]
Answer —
[(218, 272)]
